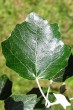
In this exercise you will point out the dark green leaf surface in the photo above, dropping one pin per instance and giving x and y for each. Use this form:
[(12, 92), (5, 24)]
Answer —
[(20, 102), (35, 49), (5, 87), (67, 72), (51, 97), (69, 69)]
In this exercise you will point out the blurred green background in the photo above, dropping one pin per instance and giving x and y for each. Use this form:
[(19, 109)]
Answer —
[(15, 11)]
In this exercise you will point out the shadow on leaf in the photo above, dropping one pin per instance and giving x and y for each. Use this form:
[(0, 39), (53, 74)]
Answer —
[(69, 69), (5, 87), (10, 104)]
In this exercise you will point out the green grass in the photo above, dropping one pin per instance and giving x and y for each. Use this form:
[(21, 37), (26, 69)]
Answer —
[(15, 11)]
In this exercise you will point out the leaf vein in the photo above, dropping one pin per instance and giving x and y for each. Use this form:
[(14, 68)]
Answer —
[(19, 60)]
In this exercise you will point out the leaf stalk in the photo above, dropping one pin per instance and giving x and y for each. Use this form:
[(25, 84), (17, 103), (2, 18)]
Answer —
[(47, 101)]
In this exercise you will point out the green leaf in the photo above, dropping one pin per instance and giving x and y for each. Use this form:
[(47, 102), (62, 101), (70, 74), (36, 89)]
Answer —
[(5, 87), (51, 97), (40, 99), (20, 102), (67, 72), (34, 49), (69, 69)]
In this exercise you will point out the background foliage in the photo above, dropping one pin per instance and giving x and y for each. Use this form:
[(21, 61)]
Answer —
[(15, 11)]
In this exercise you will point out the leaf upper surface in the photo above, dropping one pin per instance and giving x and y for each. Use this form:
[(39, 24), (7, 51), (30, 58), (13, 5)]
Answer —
[(20, 102), (35, 49)]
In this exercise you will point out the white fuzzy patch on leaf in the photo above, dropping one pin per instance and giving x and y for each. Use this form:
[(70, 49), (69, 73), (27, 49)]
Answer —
[(61, 99)]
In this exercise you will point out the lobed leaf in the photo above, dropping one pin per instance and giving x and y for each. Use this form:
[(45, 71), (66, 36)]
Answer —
[(34, 49), (20, 102)]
